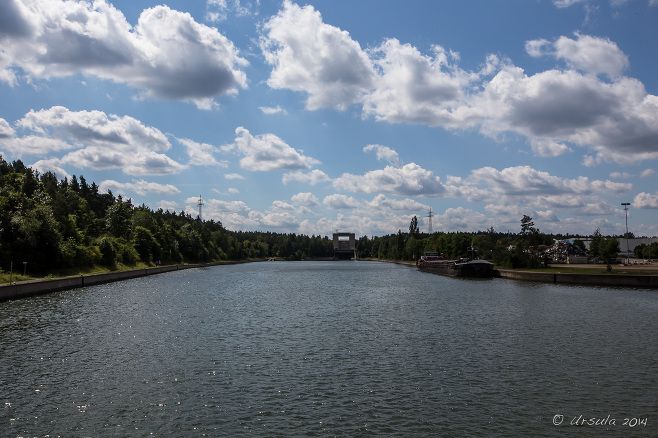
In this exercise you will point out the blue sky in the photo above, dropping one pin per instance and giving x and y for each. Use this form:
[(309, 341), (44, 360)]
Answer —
[(329, 114)]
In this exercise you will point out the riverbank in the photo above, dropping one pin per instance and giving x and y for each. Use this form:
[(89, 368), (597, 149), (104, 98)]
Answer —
[(632, 275), (30, 288)]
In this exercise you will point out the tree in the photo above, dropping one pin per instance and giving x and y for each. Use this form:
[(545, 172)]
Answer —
[(413, 227), (119, 219), (527, 225), (595, 244), (609, 249)]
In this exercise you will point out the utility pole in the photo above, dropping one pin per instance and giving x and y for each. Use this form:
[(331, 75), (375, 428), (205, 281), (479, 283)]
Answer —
[(626, 204), (200, 205)]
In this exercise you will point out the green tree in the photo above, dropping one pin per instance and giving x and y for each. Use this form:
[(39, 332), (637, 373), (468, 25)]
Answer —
[(609, 250), (413, 227), (595, 244), (527, 225), (118, 219)]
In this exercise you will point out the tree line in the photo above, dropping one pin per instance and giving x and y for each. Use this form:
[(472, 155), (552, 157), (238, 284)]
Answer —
[(69, 224), (64, 224)]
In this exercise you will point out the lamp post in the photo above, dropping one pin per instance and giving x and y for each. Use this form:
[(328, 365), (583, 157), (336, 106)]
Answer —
[(626, 204)]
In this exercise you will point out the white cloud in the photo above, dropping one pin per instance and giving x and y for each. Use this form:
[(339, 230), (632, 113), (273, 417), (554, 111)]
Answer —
[(305, 199), (587, 53), (618, 120), (537, 48), (340, 202), (217, 205), (100, 141), (645, 200), (230, 176), (280, 206), (316, 58), (170, 206), (94, 128), (313, 177), (414, 88), (51, 165), (526, 181), (218, 10), (267, 152), (167, 54), (384, 153), (382, 202), (34, 145), (6, 131), (556, 109), (620, 175), (408, 180), (201, 154), (462, 219), (647, 173), (140, 187), (272, 110), (566, 3)]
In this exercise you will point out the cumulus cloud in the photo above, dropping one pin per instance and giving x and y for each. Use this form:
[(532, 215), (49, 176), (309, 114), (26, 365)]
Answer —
[(313, 177), (340, 202), (414, 88), (233, 176), (408, 180), (316, 58), (53, 165), (6, 131), (384, 153), (94, 128), (168, 205), (305, 199), (382, 202), (140, 187), (616, 119), (590, 54), (645, 200), (526, 181), (267, 152), (98, 140), (167, 54), (201, 154)]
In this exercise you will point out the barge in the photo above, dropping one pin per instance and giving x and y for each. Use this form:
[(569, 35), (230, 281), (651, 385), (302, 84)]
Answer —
[(436, 264)]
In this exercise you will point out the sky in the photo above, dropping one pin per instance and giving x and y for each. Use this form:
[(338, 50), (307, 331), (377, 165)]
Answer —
[(311, 117)]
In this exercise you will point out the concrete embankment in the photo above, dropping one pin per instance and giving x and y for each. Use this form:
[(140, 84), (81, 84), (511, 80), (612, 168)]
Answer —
[(650, 281), (38, 287)]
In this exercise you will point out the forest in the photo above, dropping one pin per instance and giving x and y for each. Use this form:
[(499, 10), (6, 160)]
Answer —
[(60, 226)]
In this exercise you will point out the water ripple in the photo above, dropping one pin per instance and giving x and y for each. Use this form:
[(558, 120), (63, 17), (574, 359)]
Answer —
[(326, 349)]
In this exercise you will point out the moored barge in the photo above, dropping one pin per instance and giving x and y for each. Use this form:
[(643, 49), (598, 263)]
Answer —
[(436, 264)]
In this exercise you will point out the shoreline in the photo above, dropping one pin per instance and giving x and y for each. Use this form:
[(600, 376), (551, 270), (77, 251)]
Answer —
[(30, 288), (645, 281)]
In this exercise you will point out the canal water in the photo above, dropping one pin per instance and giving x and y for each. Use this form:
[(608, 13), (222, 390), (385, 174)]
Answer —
[(329, 349)]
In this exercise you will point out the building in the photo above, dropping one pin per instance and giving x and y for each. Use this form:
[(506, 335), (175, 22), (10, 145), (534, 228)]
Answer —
[(344, 245)]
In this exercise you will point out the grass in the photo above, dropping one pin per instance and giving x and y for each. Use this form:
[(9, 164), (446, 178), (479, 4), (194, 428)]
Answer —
[(70, 272)]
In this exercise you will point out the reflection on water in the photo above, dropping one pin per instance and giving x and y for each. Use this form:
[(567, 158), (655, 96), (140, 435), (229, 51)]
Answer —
[(324, 349)]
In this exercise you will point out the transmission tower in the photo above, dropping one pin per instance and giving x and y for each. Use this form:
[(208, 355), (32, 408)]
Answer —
[(430, 217), (200, 205)]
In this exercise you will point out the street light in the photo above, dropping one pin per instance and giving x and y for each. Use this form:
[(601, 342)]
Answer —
[(626, 204)]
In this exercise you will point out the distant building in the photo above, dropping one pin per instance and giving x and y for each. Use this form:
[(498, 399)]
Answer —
[(344, 245), (632, 243)]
